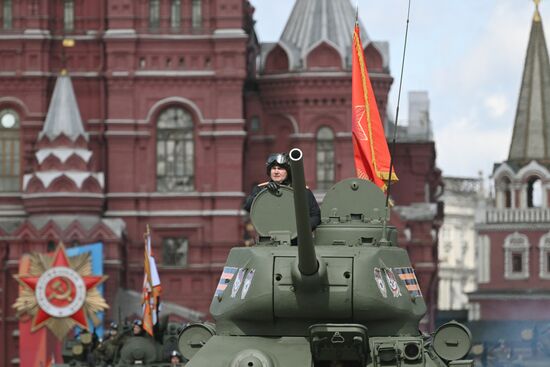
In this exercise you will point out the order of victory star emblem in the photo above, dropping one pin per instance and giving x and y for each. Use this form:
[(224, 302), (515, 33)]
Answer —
[(60, 292)]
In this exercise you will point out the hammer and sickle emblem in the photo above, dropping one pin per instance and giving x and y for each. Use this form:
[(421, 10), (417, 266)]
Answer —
[(61, 290)]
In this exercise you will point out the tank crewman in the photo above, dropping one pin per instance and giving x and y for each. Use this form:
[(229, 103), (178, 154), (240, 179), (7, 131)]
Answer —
[(278, 171), (108, 350), (113, 331), (176, 359), (137, 328)]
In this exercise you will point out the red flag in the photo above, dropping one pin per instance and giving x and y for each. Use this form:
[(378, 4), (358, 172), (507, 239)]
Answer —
[(370, 149)]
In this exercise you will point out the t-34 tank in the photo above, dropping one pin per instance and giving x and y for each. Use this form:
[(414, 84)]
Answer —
[(346, 297)]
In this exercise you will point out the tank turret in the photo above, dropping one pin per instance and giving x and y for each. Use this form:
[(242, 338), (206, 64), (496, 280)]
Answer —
[(346, 295)]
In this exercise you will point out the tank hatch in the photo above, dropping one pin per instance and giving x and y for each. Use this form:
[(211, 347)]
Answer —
[(273, 216), (354, 199)]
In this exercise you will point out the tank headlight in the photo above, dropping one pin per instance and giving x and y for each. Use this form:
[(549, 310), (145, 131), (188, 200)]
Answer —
[(193, 337), (411, 352), (452, 341)]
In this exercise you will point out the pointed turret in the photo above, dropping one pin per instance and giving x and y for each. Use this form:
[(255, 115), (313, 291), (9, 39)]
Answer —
[(63, 116), (531, 137), (316, 22), (63, 161)]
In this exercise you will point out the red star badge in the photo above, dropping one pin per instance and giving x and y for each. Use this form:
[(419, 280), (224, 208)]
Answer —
[(60, 292)]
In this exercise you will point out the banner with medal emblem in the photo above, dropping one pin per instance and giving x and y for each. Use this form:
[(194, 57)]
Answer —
[(60, 292)]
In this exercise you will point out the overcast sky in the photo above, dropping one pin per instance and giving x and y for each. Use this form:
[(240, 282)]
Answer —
[(468, 55)]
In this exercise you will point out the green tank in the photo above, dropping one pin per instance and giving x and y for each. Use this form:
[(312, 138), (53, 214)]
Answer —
[(345, 296)]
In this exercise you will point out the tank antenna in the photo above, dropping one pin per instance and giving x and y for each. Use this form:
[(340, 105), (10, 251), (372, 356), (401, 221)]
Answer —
[(396, 118)]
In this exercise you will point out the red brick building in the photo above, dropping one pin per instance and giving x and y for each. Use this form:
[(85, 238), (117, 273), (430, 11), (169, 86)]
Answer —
[(165, 117), (511, 307)]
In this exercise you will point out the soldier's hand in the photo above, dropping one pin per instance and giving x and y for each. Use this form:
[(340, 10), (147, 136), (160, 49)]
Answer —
[(273, 186)]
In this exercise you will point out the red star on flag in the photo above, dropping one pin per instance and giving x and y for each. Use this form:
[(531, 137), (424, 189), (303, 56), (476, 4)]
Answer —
[(60, 291)]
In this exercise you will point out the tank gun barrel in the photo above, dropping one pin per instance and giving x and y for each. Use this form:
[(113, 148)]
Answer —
[(307, 260)]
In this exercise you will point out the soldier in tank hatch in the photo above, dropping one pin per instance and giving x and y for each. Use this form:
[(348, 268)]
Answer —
[(278, 171), (137, 328), (176, 359)]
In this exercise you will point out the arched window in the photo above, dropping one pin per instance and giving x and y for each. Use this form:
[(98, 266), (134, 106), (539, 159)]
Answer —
[(154, 14), (196, 14), (175, 151), (175, 15), (534, 192), (174, 251), (9, 150), (325, 158), (516, 256), (544, 256), (68, 15)]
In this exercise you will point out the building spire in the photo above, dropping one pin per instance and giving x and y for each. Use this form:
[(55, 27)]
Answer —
[(531, 137), (63, 116), (536, 17)]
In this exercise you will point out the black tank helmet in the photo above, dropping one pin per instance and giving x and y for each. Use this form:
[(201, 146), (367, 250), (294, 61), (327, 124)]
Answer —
[(279, 159)]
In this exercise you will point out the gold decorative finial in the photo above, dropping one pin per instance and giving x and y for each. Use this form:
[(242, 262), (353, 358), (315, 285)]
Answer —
[(536, 17)]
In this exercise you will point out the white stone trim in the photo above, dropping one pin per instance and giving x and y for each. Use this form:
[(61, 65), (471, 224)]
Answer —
[(176, 213), (12, 213), (125, 121), (308, 74), (225, 194), (302, 136), (544, 251), (127, 133), (173, 73), (63, 154), (533, 168), (504, 170), (484, 259), (120, 73), (128, 33), (18, 102), (78, 177), (223, 121), (63, 195), (230, 33), (474, 311), (182, 37), (507, 227), (344, 134), (222, 133), (184, 101)]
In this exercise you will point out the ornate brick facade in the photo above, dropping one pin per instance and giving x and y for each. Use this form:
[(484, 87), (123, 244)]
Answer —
[(150, 80)]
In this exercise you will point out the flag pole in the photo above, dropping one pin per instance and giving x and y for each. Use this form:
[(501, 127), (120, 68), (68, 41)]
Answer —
[(396, 120)]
